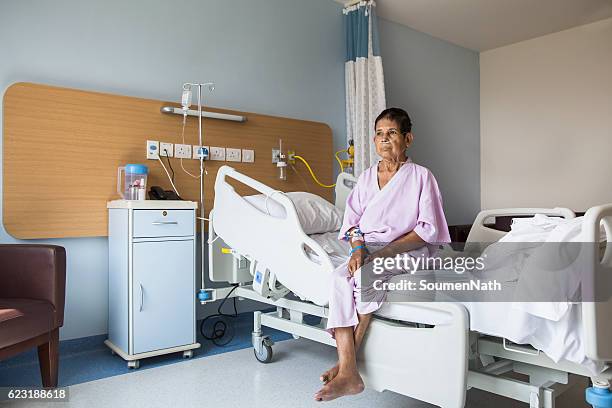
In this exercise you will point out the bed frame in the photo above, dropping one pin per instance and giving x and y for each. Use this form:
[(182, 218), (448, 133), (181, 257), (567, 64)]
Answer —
[(444, 353)]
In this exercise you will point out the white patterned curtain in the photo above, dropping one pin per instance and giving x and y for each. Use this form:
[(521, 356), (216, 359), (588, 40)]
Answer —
[(365, 85)]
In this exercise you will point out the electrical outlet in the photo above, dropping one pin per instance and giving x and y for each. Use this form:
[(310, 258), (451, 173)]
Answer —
[(217, 153), (182, 151), (166, 149), (275, 155), (152, 149), (248, 156), (233, 155), (200, 150)]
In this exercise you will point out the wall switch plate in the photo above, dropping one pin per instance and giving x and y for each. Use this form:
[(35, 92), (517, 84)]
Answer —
[(166, 149), (217, 153), (182, 151), (233, 155), (248, 156), (200, 150), (152, 149)]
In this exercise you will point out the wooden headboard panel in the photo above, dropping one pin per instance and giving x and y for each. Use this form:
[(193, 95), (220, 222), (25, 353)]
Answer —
[(62, 148)]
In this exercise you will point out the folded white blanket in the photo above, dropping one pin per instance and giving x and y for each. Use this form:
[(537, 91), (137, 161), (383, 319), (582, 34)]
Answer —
[(545, 250), (541, 247)]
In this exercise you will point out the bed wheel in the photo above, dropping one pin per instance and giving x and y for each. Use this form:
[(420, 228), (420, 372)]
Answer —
[(187, 353), (133, 364), (266, 354)]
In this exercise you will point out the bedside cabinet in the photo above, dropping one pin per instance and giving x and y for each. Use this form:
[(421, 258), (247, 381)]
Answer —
[(151, 278)]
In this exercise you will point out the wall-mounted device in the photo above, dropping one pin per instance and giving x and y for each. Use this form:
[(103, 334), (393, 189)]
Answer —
[(346, 165), (280, 159), (152, 149), (166, 149), (182, 151), (248, 156), (200, 152)]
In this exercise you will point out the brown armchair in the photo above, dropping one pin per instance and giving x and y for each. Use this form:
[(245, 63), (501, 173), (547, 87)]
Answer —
[(32, 291)]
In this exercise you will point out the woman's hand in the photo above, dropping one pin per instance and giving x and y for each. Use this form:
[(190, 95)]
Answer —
[(356, 261)]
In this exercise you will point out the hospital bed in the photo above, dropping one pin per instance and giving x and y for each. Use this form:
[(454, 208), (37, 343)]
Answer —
[(424, 350)]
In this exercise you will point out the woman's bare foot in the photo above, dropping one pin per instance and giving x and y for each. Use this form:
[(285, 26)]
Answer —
[(343, 384), (330, 374)]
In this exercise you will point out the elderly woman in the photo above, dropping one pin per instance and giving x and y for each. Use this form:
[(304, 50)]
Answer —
[(395, 204)]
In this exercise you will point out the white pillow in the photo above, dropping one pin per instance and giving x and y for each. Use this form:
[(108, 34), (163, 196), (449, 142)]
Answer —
[(316, 214)]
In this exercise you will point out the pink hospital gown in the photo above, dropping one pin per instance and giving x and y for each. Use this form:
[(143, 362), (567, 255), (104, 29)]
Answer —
[(410, 201)]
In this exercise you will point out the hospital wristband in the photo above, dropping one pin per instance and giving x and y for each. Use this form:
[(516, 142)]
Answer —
[(353, 250), (358, 238), (353, 233)]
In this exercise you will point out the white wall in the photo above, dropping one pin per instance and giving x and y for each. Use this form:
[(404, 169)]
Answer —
[(546, 120)]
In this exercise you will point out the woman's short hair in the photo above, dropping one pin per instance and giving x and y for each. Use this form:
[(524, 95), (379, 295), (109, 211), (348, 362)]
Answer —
[(397, 115)]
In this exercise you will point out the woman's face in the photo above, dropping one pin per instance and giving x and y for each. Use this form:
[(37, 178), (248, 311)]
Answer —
[(391, 144)]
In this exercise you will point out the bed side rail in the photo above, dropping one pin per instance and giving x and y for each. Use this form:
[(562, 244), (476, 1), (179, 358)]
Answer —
[(481, 233), (344, 185), (597, 316), (276, 243)]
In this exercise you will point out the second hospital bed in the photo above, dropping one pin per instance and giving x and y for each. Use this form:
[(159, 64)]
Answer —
[(412, 347)]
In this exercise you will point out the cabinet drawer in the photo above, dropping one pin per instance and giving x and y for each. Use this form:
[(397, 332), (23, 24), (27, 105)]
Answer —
[(163, 223)]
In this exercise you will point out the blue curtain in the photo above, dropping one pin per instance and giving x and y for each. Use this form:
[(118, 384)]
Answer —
[(364, 80)]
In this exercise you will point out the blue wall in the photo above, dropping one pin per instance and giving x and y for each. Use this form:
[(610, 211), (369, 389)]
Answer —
[(278, 57), (438, 83)]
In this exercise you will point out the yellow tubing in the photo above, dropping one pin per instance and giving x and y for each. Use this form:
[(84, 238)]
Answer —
[(338, 159), (312, 173)]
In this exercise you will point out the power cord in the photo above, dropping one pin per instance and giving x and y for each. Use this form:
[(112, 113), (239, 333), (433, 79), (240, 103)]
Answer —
[(169, 164), (172, 171), (169, 178), (220, 327)]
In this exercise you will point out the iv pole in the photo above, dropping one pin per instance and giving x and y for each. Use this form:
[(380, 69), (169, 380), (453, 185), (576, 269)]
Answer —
[(203, 295)]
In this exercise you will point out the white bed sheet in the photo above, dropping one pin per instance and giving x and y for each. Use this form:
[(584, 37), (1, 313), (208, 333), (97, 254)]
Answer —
[(336, 249), (560, 340)]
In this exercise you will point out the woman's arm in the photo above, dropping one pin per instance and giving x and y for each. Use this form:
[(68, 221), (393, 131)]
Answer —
[(358, 254), (430, 227), (405, 243)]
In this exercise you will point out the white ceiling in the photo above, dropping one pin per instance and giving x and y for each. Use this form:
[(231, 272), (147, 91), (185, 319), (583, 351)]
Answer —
[(485, 24)]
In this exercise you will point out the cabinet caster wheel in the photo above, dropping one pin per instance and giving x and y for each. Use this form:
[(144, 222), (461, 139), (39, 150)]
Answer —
[(187, 353), (266, 354), (133, 364)]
